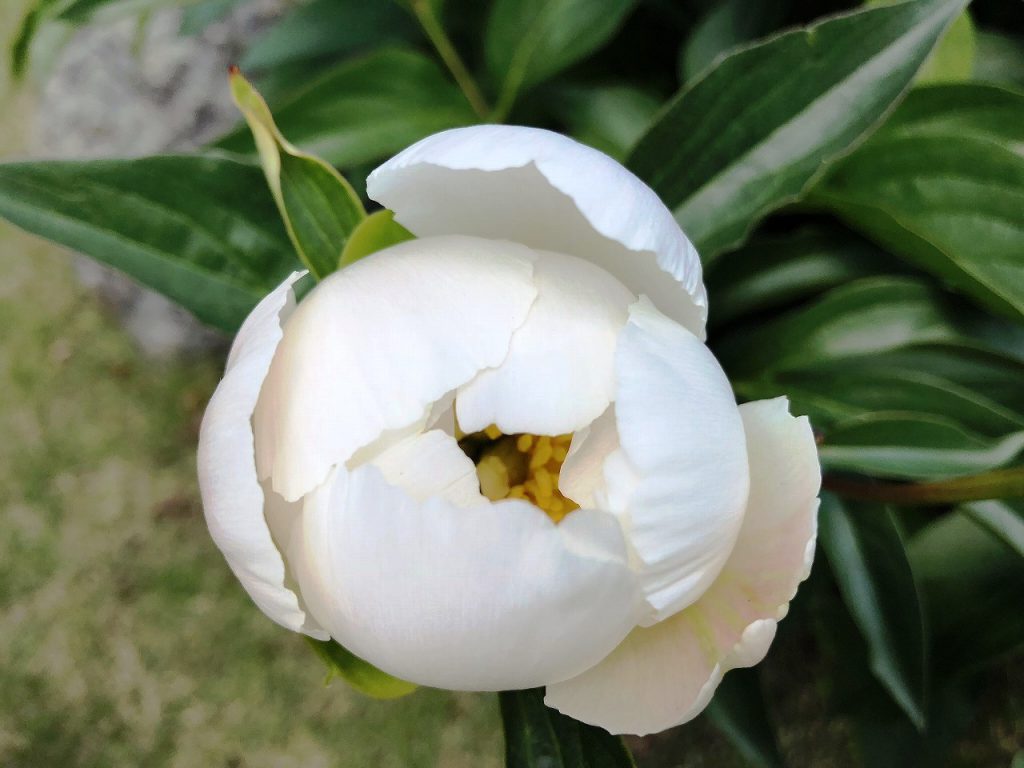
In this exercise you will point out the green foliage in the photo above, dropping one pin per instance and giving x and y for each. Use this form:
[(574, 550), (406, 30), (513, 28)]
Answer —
[(319, 208), (858, 200), (539, 737), (216, 248), (361, 675), (753, 131)]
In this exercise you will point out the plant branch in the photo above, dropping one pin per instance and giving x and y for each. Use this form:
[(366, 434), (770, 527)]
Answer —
[(998, 484), (432, 26)]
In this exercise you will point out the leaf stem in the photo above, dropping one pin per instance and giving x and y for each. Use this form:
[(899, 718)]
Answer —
[(998, 484), (424, 13)]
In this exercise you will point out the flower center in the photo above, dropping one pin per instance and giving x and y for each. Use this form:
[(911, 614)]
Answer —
[(521, 466)]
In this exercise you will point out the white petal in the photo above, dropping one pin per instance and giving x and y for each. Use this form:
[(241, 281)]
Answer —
[(374, 345), (233, 500), (494, 597), (681, 434), (551, 193), (582, 475), (559, 373), (665, 675), (431, 464)]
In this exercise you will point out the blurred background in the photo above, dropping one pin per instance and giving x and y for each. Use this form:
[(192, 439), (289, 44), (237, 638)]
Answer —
[(124, 638)]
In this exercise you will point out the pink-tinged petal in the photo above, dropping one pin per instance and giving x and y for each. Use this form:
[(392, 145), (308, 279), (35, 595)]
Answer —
[(551, 193), (682, 459), (665, 675), (236, 511)]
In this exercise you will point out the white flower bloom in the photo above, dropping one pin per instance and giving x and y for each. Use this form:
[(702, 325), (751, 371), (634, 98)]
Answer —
[(550, 294)]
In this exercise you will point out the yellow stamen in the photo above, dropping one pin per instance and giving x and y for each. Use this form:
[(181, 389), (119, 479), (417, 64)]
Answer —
[(525, 467)]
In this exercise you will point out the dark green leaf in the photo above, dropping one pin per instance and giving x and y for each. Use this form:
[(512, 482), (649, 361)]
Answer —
[(726, 26), (864, 318), (914, 446), (319, 208), (198, 16), (752, 132), (609, 118), (361, 675), (330, 28), (200, 229), (539, 737), (944, 189), (739, 711), (367, 109), (972, 582), (866, 553), (1003, 519), (527, 41), (773, 272), (999, 58)]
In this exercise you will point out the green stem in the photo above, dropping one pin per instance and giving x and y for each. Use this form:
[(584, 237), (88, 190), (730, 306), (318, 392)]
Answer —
[(432, 26), (998, 484)]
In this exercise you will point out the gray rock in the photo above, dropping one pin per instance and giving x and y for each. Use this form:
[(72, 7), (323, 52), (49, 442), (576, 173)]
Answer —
[(134, 88)]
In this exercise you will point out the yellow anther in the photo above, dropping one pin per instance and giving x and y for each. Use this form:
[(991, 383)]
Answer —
[(524, 443), (542, 453), (492, 432)]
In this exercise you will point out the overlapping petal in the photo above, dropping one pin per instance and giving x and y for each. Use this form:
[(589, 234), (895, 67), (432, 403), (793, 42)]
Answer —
[(559, 374), (550, 193), (665, 675), (488, 597), (233, 500), (681, 470), (374, 345)]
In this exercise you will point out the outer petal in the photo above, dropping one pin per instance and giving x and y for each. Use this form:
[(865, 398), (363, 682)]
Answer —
[(682, 459), (232, 497), (559, 374), (666, 674), (375, 344), (551, 193), (491, 597)]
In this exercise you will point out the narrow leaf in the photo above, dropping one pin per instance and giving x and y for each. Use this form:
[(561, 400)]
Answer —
[(319, 208), (1003, 519), (527, 41), (374, 233), (202, 230), (913, 446), (740, 712), (866, 552), (726, 26), (750, 134), (944, 189), (361, 675), (539, 737), (366, 109)]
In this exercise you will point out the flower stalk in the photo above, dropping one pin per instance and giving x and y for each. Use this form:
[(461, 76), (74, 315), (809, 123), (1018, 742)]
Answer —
[(997, 484)]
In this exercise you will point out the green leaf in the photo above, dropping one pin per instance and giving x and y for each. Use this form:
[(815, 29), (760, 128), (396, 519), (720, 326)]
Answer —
[(539, 737), (749, 135), (202, 230), (609, 118), (953, 58), (944, 189), (914, 446), (1004, 520), (971, 581), (374, 233), (319, 208), (726, 26), (999, 58), (330, 28), (361, 675), (777, 271), (865, 318), (739, 711), (367, 109), (866, 552), (829, 397), (527, 41), (198, 16)]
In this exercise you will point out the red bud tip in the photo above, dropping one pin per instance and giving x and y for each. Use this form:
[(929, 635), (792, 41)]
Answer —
[(234, 70)]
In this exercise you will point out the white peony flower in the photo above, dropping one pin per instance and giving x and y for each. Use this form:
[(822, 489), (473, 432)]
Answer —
[(628, 534)]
